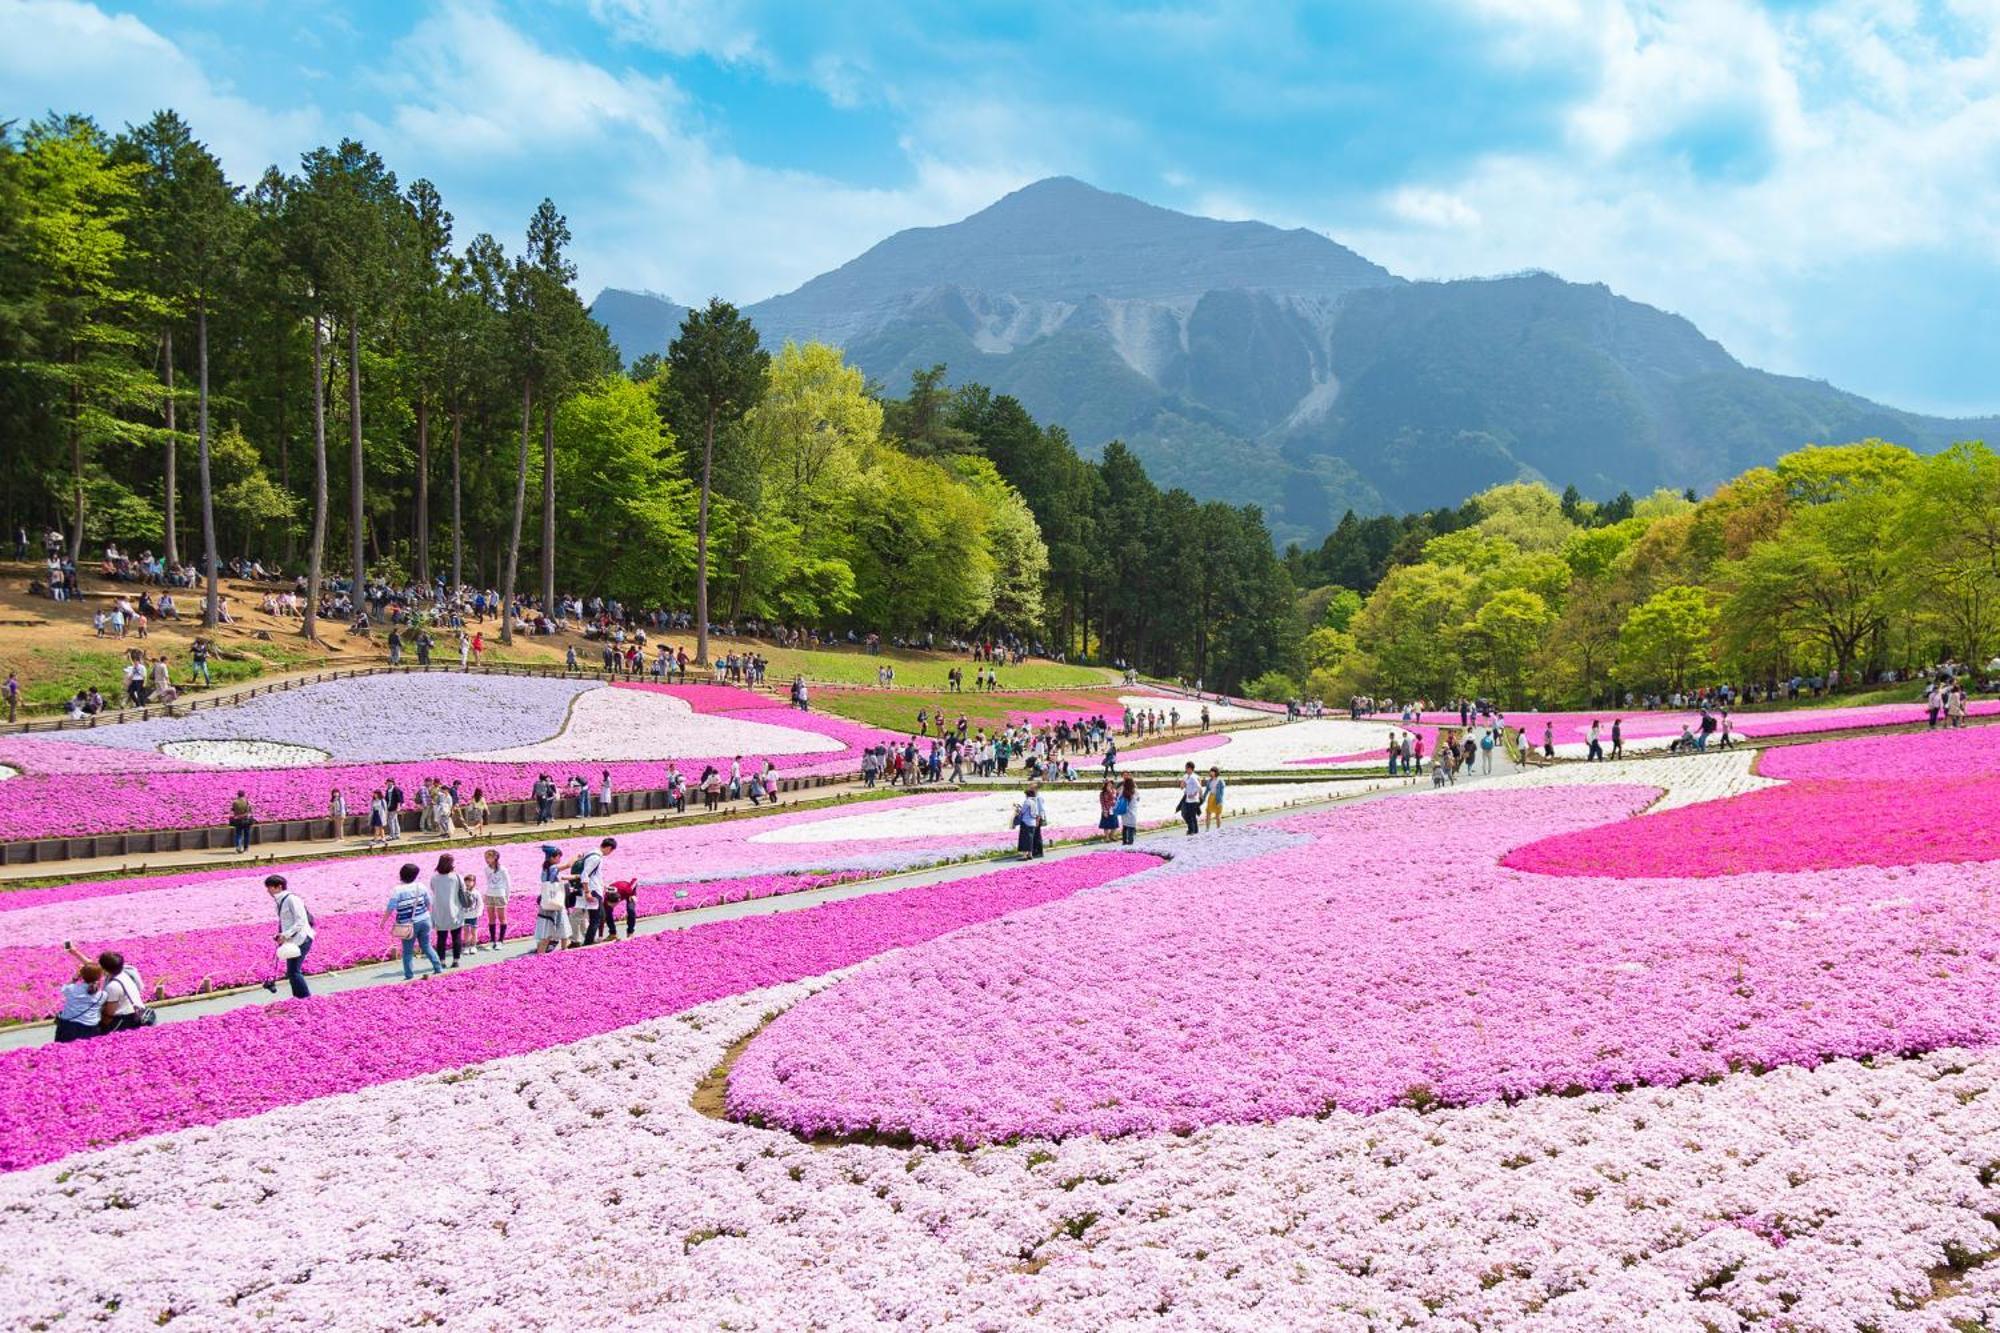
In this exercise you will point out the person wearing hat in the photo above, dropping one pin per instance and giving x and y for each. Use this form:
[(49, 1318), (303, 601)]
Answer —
[(1030, 816), (551, 908)]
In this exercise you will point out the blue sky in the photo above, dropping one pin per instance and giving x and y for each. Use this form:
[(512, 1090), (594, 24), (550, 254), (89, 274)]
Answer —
[(1816, 185)]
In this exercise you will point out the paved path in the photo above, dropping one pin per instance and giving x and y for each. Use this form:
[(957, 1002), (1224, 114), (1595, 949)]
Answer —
[(391, 972)]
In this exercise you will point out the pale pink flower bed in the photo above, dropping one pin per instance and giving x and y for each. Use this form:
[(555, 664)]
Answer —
[(1387, 959), (60, 1099)]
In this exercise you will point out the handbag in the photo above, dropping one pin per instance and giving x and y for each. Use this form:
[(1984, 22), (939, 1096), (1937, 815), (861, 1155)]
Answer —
[(288, 951), (404, 930)]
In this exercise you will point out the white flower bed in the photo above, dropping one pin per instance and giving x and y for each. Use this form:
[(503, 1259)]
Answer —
[(1805, 1199), (1262, 749), (245, 753), (1191, 708), (991, 811), (614, 724), (1683, 779)]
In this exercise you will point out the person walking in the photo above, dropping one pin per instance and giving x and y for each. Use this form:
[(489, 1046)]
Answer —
[(448, 908), (493, 892), (1617, 738), (1190, 804), (1214, 791), (408, 919), (12, 691), (392, 802), (295, 935), (1127, 810), (1596, 751), (1030, 816), (378, 819)]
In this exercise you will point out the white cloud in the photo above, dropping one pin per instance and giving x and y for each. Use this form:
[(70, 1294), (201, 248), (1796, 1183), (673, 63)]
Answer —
[(66, 55), (1863, 136), (1432, 208), (722, 29), (468, 83)]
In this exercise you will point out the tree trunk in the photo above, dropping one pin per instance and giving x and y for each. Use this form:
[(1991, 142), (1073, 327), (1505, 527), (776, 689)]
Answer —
[(701, 548), (76, 460), (423, 492), (457, 523), (548, 505), (355, 507), (520, 504), (213, 596), (309, 622), (285, 466), (173, 547)]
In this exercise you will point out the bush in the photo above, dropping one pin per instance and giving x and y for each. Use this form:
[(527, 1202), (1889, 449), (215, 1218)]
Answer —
[(1272, 687)]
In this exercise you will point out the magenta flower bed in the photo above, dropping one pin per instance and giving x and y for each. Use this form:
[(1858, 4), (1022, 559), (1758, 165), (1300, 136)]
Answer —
[(1928, 756), (709, 698), (56, 1100), (1385, 960), (1812, 824)]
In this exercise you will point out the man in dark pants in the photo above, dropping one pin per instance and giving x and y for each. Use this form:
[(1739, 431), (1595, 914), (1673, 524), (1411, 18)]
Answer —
[(295, 935)]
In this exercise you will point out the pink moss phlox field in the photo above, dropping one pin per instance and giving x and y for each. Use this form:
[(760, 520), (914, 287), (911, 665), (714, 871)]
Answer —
[(1810, 824), (1574, 728), (1387, 961), (710, 698), (59, 1099)]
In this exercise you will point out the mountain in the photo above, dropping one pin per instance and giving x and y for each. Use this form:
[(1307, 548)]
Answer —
[(638, 322), (1259, 365)]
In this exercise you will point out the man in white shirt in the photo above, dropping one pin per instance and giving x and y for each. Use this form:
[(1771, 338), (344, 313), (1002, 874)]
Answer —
[(598, 898), (1191, 794), (294, 937)]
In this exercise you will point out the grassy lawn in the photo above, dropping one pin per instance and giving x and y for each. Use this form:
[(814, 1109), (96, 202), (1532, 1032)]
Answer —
[(897, 710), (916, 671), (52, 673), (1905, 692)]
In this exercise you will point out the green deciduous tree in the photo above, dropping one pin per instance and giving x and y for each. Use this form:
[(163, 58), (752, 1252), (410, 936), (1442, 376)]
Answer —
[(1665, 640), (715, 374)]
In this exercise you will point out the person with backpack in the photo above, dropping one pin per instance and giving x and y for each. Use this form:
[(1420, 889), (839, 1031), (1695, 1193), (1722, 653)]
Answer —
[(1215, 789), (241, 821), (1486, 751), (551, 903), (408, 919), (295, 935), (1127, 810), (599, 901)]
